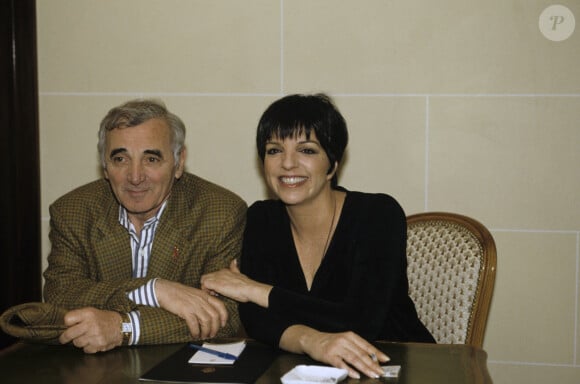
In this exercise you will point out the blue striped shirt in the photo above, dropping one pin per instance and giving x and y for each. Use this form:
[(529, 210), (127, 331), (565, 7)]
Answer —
[(141, 247)]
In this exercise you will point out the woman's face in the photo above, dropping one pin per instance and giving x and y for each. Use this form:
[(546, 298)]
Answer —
[(296, 168)]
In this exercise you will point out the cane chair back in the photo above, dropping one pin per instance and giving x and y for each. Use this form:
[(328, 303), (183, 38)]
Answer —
[(451, 270)]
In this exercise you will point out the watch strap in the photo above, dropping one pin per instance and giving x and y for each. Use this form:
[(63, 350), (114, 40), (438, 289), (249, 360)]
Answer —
[(126, 328)]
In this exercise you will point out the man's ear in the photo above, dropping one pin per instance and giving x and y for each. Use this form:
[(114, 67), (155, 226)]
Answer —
[(180, 166)]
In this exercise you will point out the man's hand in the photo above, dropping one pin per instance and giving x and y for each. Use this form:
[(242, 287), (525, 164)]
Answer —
[(203, 313), (92, 329)]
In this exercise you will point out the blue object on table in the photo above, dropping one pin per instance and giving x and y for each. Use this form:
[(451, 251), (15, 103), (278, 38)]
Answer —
[(223, 355)]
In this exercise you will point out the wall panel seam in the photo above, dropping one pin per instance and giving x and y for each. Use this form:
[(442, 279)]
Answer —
[(536, 364)]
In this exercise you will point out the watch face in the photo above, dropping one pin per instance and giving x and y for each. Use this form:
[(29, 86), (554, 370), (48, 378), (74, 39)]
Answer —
[(127, 327)]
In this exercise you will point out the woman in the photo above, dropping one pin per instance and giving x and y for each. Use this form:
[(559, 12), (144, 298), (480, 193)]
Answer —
[(323, 269)]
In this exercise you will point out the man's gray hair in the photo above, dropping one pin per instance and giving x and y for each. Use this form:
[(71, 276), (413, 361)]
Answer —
[(135, 112)]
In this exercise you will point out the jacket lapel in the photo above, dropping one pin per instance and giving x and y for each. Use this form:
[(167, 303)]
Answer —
[(170, 245), (167, 253), (112, 246)]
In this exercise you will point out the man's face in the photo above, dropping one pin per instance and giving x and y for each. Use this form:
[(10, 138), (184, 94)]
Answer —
[(141, 168)]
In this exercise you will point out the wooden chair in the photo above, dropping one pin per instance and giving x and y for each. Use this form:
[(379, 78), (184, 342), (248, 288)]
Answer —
[(451, 270)]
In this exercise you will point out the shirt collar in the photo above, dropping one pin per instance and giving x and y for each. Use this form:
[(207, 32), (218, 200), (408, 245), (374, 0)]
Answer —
[(126, 223)]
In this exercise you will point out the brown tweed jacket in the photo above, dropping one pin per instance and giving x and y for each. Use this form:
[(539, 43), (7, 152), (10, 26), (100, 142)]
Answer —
[(90, 261)]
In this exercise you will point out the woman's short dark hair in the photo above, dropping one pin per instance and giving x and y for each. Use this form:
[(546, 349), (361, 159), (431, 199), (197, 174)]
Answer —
[(295, 114)]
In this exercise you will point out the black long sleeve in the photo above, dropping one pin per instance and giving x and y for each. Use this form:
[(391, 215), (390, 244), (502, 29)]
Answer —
[(361, 284)]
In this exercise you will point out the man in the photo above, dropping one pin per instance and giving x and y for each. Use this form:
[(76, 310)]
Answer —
[(128, 251)]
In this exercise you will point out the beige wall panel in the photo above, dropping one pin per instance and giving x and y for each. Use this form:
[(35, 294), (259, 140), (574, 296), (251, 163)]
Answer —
[(510, 162), (526, 374), (386, 150), (532, 318), (221, 136), (159, 46), (377, 46), (68, 142)]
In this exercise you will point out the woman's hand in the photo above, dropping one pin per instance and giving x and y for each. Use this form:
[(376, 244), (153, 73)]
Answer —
[(232, 283), (345, 350)]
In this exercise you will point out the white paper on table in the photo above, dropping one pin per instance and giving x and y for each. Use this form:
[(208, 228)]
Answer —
[(201, 357), (314, 374), (391, 370)]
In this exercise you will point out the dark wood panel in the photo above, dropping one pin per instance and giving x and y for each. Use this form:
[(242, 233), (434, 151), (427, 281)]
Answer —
[(20, 275)]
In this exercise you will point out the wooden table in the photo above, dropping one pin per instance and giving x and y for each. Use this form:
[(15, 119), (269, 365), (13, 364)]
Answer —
[(420, 363)]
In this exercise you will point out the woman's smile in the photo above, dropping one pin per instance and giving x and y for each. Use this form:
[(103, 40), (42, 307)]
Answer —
[(293, 181)]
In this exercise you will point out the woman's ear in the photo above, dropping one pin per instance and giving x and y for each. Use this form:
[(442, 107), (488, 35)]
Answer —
[(332, 171)]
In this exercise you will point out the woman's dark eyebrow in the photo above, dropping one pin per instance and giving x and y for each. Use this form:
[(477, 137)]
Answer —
[(309, 141)]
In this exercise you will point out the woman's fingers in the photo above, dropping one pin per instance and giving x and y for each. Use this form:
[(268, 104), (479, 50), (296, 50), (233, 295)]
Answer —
[(350, 351)]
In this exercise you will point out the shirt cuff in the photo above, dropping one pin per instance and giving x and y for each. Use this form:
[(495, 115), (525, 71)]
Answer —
[(145, 295), (135, 318)]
